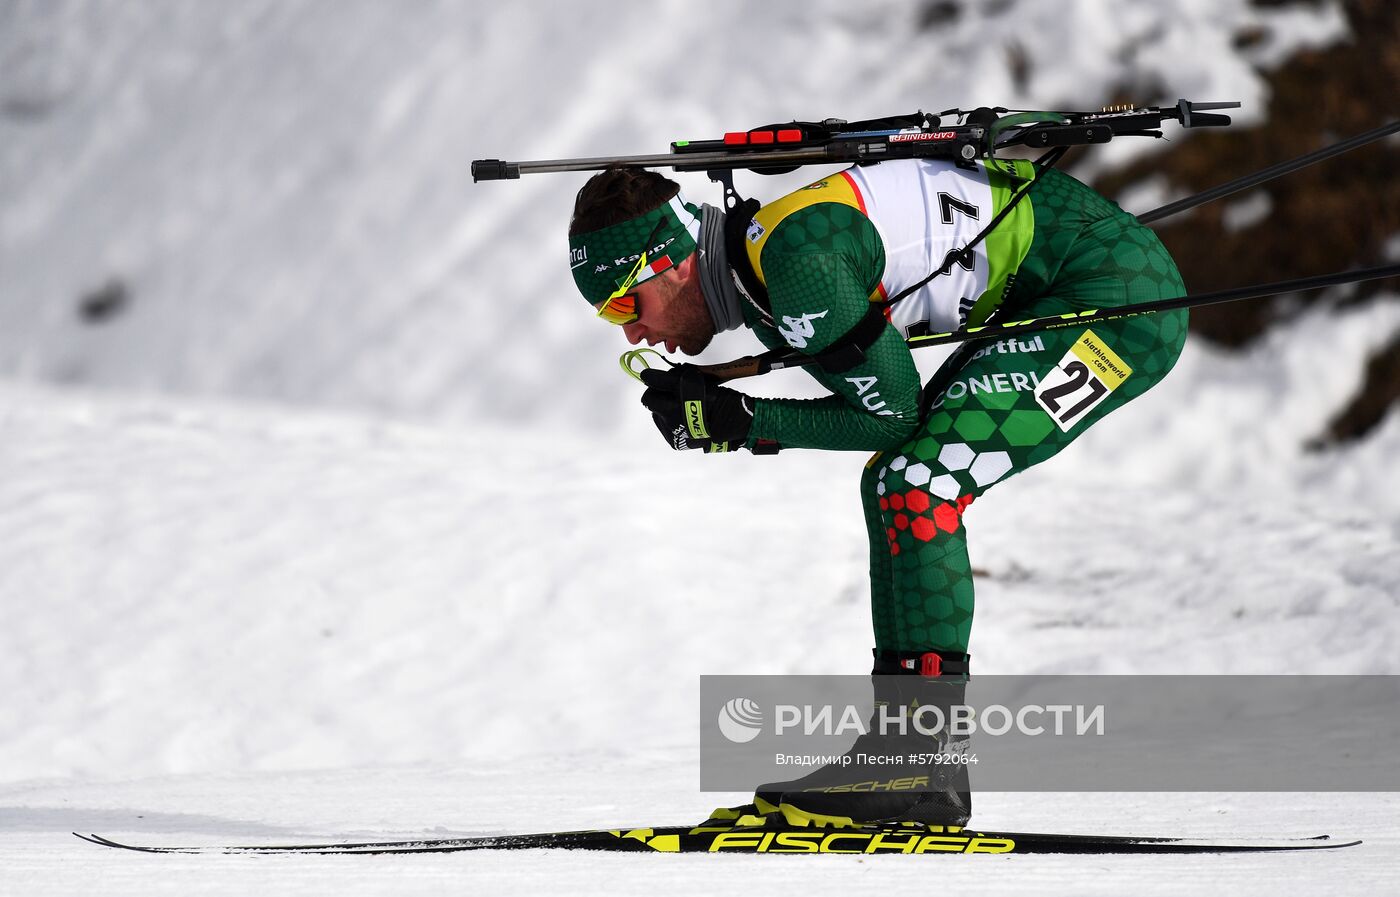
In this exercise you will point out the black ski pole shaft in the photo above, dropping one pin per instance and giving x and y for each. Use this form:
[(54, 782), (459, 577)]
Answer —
[(1268, 174), (786, 358), (1234, 294)]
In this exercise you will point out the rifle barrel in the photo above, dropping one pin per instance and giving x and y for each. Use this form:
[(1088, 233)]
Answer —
[(492, 169)]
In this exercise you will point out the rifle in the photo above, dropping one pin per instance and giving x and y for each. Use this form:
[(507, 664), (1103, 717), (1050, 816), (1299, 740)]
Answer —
[(780, 148)]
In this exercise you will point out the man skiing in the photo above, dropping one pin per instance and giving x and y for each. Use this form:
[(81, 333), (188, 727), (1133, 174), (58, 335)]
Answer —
[(845, 270)]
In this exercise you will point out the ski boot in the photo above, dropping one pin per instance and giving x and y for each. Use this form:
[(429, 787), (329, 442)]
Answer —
[(864, 791)]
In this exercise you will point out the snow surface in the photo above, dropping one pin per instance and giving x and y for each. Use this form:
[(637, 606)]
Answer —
[(315, 541), (210, 603)]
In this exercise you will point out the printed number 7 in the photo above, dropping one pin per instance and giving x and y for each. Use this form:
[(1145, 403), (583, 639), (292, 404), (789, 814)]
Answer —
[(1078, 376)]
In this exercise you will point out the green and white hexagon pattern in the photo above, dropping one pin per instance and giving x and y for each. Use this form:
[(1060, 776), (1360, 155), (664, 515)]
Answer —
[(986, 426)]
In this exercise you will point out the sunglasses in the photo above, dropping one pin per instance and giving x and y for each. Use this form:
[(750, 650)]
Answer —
[(621, 305)]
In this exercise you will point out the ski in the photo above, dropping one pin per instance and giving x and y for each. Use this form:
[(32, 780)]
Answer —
[(903, 839)]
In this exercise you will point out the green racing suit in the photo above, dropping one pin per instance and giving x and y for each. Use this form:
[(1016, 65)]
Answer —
[(825, 252)]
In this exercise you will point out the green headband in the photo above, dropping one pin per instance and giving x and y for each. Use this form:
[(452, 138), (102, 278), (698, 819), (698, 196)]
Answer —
[(603, 258)]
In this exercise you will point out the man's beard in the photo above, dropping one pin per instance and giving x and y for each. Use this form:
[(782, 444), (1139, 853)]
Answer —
[(697, 345), (694, 329)]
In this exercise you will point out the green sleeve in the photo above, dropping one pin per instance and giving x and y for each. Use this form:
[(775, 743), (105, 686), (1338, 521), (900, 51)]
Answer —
[(820, 265)]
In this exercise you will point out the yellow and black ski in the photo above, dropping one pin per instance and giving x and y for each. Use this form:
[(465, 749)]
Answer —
[(908, 838)]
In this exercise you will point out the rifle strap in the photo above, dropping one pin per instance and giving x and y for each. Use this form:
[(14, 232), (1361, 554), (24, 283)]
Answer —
[(736, 226), (963, 256)]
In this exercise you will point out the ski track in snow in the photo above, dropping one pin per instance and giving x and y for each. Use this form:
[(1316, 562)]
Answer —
[(296, 546)]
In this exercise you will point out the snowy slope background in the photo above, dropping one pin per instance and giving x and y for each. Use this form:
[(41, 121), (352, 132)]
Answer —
[(300, 541)]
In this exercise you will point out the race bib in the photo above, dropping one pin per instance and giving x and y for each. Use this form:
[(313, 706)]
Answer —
[(1081, 380)]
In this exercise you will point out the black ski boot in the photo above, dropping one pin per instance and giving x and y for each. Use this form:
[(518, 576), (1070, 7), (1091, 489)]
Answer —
[(862, 789)]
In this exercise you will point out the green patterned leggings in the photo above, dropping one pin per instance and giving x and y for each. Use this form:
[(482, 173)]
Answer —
[(989, 423)]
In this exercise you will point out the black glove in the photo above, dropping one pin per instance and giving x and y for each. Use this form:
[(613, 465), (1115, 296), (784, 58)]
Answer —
[(693, 411)]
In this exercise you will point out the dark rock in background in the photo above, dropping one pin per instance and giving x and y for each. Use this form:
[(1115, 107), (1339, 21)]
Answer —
[(1368, 407), (1338, 214)]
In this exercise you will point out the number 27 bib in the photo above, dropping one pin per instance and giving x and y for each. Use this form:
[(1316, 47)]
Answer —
[(1081, 380)]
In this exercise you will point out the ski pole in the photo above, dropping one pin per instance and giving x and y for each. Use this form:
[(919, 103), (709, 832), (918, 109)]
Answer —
[(1268, 174), (777, 359)]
